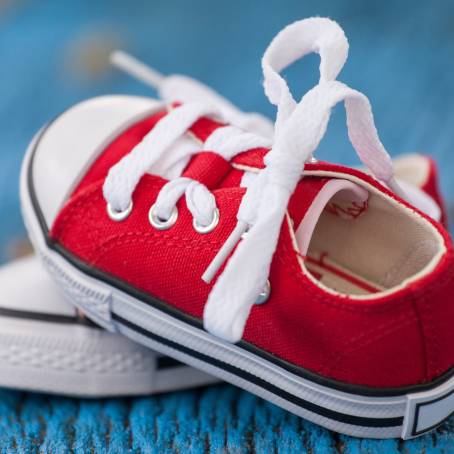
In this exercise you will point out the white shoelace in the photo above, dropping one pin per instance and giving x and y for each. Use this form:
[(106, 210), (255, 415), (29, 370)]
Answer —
[(227, 141), (298, 129), (179, 88)]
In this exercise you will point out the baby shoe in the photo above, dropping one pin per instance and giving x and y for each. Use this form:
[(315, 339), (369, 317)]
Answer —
[(319, 287), (48, 319), (47, 346)]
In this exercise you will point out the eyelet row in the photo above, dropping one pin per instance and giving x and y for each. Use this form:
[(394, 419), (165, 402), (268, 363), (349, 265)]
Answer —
[(161, 224)]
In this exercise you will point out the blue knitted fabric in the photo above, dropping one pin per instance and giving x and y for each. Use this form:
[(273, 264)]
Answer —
[(401, 56)]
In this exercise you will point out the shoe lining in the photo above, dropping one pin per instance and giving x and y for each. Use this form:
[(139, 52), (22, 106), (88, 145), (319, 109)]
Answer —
[(371, 253)]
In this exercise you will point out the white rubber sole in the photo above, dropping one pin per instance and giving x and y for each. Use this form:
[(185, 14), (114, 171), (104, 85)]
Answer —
[(349, 410), (85, 361)]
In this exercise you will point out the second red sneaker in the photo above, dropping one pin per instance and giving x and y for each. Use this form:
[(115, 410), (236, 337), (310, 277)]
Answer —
[(316, 286)]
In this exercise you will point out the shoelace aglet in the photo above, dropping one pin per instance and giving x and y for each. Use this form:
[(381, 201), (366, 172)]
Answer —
[(224, 252), (135, 68)]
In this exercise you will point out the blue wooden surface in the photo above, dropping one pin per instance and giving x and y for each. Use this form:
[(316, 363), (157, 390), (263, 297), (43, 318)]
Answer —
[(402, 56)]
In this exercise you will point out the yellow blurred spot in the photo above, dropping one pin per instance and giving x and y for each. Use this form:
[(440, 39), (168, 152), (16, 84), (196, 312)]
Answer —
[(88, 55), (19, 247)]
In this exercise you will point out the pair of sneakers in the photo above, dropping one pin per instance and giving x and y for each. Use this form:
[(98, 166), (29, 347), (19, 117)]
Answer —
[(217, 239)]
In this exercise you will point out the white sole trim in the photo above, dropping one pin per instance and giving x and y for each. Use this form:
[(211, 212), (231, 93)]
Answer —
[(78, 360)]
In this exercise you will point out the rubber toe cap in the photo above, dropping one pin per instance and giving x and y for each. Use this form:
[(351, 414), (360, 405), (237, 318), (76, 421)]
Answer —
[(67, 146)]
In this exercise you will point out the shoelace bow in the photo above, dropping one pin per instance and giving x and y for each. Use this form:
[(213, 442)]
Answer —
[(298, 129)]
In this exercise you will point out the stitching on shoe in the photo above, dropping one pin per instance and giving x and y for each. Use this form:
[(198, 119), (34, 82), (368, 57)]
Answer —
[(143, 237), (422, 335), (307, 286)]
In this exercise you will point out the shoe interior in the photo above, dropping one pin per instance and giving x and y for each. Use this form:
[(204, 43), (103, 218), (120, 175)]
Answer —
[(378, 250)]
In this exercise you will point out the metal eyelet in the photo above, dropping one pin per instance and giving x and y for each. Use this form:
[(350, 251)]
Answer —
[(312, 160), (265, 293), (119, 215), (207, 228), (161, 224)]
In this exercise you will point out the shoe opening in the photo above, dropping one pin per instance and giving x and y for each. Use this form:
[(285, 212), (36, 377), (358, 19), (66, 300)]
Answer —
[(368, 245)]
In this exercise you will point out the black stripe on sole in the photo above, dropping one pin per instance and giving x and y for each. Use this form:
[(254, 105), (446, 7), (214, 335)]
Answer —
[(45, 317), (360, 421), (166, 362)]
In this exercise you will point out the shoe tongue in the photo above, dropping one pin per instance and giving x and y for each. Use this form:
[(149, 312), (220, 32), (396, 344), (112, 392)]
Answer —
[(313, 196)]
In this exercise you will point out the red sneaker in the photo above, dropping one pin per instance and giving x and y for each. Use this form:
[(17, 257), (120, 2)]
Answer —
[(325, 292)]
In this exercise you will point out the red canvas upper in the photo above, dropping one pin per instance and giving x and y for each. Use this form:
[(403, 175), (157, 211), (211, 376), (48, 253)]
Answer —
[(432, 188), (390, 341)]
